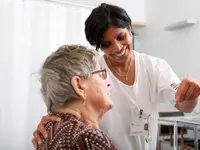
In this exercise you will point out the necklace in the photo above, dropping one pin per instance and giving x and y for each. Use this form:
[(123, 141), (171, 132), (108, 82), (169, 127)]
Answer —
[(124, 75)]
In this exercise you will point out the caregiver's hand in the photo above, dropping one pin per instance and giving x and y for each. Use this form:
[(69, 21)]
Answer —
[(188, 90), (41, 129)]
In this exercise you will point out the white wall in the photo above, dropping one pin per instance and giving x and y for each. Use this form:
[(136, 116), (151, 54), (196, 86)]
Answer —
[(134, 8), (181, 48)]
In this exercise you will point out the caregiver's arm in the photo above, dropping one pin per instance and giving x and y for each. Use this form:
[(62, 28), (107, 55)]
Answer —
[(187, 95)]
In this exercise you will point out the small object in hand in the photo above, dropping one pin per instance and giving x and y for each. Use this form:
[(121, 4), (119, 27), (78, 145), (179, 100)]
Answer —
[(174, 86)]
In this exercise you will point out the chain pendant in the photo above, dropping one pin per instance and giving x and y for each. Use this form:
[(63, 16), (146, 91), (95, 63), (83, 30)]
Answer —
[(126, 78), (120, 75)]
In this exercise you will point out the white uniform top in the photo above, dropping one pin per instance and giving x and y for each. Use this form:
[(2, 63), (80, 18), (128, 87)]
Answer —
[(153, 77)]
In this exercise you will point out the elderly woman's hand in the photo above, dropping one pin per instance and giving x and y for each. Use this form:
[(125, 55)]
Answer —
[(188, 90), (41, 129)]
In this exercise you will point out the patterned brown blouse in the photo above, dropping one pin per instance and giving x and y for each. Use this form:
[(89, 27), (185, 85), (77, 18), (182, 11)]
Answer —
[(72, 134)]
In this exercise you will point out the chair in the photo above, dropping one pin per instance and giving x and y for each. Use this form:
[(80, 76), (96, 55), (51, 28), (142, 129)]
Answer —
[(167, 131)]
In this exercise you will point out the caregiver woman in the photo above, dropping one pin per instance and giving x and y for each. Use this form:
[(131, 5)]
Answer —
[(139, 83)]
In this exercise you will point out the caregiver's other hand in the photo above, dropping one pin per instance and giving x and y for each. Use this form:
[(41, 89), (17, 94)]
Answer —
[(188, 90), (41, 129)]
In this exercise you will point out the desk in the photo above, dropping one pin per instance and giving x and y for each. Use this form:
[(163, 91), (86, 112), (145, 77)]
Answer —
[(189, 122)]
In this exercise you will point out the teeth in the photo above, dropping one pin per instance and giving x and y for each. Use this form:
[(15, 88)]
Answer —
[(121, 53)]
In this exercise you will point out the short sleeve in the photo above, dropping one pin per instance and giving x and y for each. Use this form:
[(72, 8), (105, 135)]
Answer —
[(165, 77), (93, 139)]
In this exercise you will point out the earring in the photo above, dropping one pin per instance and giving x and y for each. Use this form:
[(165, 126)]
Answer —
[(84, 98), (84, 102)]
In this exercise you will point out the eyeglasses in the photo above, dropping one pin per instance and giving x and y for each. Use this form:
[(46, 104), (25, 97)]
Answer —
[(102, 73)]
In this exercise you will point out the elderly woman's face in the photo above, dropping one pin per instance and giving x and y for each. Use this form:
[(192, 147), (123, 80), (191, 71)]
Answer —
[(98, 91), (117, 43)]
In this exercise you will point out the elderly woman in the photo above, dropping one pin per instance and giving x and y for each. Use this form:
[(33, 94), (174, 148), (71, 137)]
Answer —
[(75, 88)]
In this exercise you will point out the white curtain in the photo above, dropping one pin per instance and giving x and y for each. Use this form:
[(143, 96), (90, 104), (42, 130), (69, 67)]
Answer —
[(29, 31)]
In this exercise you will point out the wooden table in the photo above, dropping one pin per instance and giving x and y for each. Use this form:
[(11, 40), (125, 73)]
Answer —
[(189, 122)]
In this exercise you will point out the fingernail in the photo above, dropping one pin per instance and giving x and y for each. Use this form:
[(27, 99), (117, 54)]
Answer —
[(39, 142), (58, 119), (45, 135)]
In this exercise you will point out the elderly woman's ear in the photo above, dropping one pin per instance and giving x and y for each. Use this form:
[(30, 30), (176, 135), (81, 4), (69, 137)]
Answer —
[(79, 85)]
